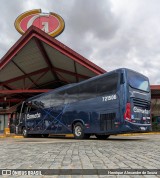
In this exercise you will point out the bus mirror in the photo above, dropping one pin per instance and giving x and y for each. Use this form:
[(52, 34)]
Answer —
[(122, 81)]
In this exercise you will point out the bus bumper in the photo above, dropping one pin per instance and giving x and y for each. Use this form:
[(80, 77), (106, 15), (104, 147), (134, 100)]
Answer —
[(134, 127)]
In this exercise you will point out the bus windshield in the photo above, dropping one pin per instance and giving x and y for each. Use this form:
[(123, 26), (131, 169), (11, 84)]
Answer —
[(138, 81)]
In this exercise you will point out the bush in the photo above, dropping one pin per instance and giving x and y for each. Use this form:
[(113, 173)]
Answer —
[(155, 127)]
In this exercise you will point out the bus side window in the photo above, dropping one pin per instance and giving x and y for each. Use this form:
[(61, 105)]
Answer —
[(107, 84), (71, 95), (31, 109), (87, 90), (57, 99), (45, 100), (24, 109), (122, 80)]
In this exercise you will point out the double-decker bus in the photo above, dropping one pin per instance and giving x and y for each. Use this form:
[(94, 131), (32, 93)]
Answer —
[(112, 103)]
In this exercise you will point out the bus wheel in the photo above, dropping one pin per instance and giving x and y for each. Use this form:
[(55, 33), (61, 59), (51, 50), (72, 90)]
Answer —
[(78, 131), (25, 133), (102, 137)]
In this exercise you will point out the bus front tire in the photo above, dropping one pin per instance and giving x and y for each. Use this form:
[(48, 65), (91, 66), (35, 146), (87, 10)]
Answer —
[(25, 133), (102, 137), (78, 131)]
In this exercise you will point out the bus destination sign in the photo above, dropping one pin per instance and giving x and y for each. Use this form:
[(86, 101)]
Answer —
[(51, 23)]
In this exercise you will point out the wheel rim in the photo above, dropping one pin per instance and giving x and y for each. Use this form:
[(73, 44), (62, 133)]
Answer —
[(78, 131)]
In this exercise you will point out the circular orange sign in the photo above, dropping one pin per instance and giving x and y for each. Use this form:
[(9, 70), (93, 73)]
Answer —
[(51, 23)]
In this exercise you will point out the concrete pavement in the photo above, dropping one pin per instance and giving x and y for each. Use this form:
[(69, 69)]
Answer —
[(118, 152)]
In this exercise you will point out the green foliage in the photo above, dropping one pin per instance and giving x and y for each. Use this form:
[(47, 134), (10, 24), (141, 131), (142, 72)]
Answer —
[(155, 126)]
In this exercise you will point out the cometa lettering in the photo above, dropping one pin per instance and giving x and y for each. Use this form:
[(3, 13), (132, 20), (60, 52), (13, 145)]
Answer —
[(143, 111), (33, 116)]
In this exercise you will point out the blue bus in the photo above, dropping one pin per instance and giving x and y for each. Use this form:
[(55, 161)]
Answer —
[(112, 103)]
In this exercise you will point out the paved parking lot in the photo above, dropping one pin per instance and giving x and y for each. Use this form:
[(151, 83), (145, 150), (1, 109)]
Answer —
[(136, 152)]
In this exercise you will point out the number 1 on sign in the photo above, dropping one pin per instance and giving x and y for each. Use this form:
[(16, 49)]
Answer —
[(45, 27)]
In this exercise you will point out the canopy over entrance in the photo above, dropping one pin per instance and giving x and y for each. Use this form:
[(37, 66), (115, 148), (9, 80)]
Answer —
[(37, 63)]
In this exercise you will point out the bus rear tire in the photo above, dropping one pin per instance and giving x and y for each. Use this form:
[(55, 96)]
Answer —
[(25, 133), (102, 137), (78, 130)]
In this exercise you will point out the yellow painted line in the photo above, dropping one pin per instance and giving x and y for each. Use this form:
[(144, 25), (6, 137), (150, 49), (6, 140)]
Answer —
[(17, 136), (62, 135), (69, 135), (20, 136), (11, 136), (132, 134)]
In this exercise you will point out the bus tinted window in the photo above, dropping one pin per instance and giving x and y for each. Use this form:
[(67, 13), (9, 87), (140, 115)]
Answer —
[(107, 84), (87, 90), (44, 100), (71, 95), (57, 99), (138, 81)]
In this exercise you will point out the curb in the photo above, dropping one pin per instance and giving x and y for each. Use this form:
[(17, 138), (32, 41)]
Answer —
[(11, 136), (71, 135), (16, 136), (20, 136), (136, 134)]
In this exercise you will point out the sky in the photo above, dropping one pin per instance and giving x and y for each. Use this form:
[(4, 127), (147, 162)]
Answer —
[(110, 33)]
